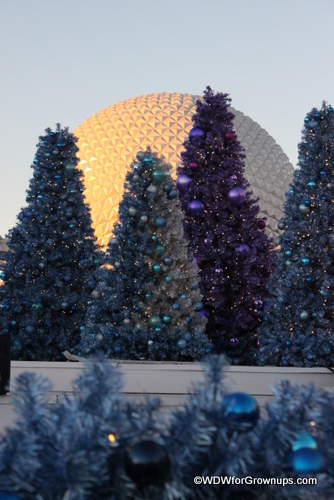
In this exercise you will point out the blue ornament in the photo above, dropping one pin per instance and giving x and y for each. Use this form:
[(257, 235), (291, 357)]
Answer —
[(199, 306), (167, 188), (288, 253), (323, 198), (284, 362), (160, 222), (148, 296), (137, 308), (60, 144), (168, 279), (311, 185), (172, 194), (241, 411), (307, 202), (307, 461), (323, 173), (117, 349), (291, 191), (288, 343), (183, 295), (166, 319), (57, 176), (305, 261), (330, 109), (176, 307), (8, 496), (317, 116), (189, 319), (309, 279), (35, 160), (181, 344), (154, 238), (207, 350), (73, 191), (148, 159), (116, 335), (306, 119), (156, 268), (82, 328), (311, 124), (303, 209), (196, 135), (304, 440), (168, 261), (287, 240), (47, 155)]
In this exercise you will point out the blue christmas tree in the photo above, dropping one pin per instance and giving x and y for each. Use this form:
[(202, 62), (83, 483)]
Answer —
[(147, 303), (299, 320), (52, 255)]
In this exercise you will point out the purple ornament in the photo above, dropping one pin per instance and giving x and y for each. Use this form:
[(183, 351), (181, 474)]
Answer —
[(195, 208), (258, 304), (243, 248), (229, 135), (232, 179), (205, 313), (193, 165), (183, 182), (196, 135), (236, 196), (261, 224), (208, 241), (234, 342), (196, 260)]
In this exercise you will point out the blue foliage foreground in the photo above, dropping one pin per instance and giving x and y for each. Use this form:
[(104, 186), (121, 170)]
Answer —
[(97, 445)]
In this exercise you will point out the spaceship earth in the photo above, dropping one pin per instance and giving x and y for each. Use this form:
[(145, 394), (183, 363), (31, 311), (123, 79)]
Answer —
[(109, 140)]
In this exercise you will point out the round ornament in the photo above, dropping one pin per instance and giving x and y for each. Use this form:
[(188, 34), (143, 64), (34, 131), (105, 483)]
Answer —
[(167, 188), (305, 261), (183, 295), (281, 226), (126, 321), (117, 349), (193, 165), (241, 410), (303, 209), (307, 461), (195, 208), (196, 135), (160, 222), (208, 241), (303, 316), (234, 342), (168, 279), (304, 440), (176, 307), (311, 185), (166, 319), (96, 294), (117, 265), (132, 211), (172, 194), (147, 462), (37, 307), (199, 306), (148, 296), (168, 261), (236, 196), (156, 268), (229, 135), (160, 250), (154, 321), (158, 175), (232, 179), (181, 344), (140, 155), (183, 182), (258, 304), (69, 169), (152, 189), (136, 178), (261, 224), (148, 160), (243, 249), (30, 329)]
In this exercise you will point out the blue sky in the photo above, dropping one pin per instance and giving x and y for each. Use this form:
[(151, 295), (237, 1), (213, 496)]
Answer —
[(66, 60)]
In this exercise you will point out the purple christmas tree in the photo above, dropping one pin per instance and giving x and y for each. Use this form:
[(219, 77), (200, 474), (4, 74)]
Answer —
[(224, 229)]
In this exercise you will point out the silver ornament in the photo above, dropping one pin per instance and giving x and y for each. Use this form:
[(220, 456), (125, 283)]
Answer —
[(126, 321), (132, 211), (143, 219), (136, 177), (117, 265), (96, 294), (99, 337), (152, 189), (114, 241)]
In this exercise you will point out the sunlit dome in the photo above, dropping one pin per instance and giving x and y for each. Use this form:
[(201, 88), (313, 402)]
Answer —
[(109, 140)]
